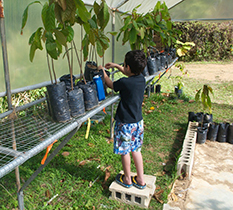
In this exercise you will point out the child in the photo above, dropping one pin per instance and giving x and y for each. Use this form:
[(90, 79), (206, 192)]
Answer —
[(128, 131)]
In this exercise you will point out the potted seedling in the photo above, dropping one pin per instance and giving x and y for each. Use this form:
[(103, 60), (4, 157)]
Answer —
[(180, 84), (203, 95), (94, 43), (55, 32)]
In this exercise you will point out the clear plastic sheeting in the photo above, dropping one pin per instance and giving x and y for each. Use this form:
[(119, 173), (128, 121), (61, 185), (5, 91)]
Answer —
[(128, 5), (203, 10)]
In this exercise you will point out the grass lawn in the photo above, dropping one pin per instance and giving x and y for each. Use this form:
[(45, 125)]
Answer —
[(82, 172)]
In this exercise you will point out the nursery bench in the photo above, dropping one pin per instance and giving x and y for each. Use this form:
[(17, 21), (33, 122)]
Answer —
[(22, 137)]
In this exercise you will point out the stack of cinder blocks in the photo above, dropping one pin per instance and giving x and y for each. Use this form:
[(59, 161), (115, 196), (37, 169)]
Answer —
[(133, 195), (185, 162)]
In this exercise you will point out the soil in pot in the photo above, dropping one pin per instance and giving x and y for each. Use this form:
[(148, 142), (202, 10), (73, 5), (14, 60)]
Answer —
[(213, 131), (76, 102), (90, 68), (90, 94), (57, 102), (222, 132), (67, 80)]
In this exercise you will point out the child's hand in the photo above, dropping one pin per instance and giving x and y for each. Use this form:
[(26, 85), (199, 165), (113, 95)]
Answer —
[(109, 65)]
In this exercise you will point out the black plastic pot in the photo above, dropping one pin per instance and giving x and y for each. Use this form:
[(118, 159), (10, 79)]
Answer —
[(67, 80), (192, 116), (158, 88), (230, 134), (145, 72), (222, 132), (213, 131), (76, 102), (90, 68), (208, 118), (57, 102), (158, 62), (178, 91), (199, 116), (90, 94), (151, 65), (201, 135), (152, 88)]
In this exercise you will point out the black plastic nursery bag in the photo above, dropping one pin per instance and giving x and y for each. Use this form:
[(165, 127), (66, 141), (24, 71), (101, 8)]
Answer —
[(57, 102)]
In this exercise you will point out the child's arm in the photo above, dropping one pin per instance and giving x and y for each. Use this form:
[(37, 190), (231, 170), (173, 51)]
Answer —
[(108, 81), (114, 65)]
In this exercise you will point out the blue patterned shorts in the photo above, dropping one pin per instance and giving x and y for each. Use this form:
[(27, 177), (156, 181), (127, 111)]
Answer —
[(128, 137)]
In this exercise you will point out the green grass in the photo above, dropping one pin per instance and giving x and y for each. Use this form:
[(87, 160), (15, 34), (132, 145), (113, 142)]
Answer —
[(71, 176)]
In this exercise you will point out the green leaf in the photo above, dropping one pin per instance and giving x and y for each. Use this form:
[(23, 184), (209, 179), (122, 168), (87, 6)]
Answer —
[(48, 17), (96, 7), (158, 17), (103, 16), (99, 48), (132, 36), (93, 23), (69, 14), (60, 37), (25, 15), (197, 96), (91, 37), (86, 27), (82, 11), (113, 33), (32, 52), (70, 36), (85, 44)]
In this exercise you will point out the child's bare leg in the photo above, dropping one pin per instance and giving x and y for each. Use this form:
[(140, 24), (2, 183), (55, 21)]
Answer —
[(126, 161), (137, 157)]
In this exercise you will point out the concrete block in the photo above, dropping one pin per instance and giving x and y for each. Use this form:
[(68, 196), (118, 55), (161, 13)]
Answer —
[(185, 162), (133, 195)]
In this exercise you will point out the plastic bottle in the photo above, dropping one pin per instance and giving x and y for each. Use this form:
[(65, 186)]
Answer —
[(99, 87)]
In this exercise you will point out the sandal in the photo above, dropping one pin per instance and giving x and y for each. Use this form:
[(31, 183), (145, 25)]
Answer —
[(135, 183), (119, 180)]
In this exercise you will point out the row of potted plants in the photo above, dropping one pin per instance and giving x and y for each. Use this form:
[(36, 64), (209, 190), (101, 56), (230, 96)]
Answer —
[(56, 35)]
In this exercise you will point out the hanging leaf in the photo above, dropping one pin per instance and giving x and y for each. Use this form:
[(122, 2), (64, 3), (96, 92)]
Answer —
[(70, 36), (62, 4), (48, 17), (25, 15), (60, 37), (69, 14), (99, 48), (103, 16), (132, 36), (32, 51), (82, 11)]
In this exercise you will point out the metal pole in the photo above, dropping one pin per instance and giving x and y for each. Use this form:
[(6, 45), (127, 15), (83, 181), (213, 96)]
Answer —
[(113, 60), (7, 81), (4, 54)]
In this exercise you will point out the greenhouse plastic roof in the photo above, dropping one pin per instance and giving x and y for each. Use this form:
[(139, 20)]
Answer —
[(128, 5), (180, 10)]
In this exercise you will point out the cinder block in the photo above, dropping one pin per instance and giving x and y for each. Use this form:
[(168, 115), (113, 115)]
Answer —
[(133, 195), (186, 159)]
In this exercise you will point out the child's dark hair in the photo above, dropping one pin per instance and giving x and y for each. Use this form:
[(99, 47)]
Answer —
[(136, 60)]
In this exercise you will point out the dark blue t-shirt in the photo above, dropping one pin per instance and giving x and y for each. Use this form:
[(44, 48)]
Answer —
[(131, 89)]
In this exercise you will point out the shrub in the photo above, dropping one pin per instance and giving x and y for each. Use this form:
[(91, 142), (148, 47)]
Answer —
[(213, 40)]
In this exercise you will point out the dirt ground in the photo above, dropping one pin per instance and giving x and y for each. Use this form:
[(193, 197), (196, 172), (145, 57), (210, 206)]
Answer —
[(211, 72), (212, 160)]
